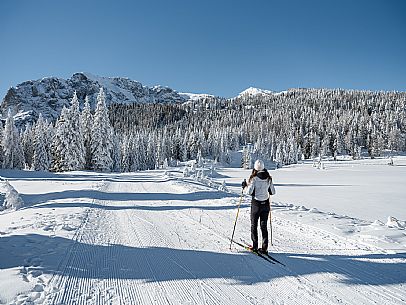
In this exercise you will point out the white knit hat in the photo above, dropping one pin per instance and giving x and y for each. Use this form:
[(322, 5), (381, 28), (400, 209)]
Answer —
[(259, 165)]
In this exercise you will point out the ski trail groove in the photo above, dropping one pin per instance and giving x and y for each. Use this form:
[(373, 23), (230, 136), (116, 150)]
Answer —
[(276, 268), (175, 260), (160, 251)]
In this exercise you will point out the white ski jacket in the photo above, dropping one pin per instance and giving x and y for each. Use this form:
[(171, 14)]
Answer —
[(260, 187)]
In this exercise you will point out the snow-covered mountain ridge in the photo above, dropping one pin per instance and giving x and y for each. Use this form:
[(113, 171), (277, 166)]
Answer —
[(48, 95), (251, 91)]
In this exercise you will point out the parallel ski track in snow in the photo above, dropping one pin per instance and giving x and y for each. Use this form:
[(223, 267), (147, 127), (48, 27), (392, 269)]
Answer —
[(209, 289), (288, 289), (78, 288), (368, 292), (371, 293), (213, 292), (291, 281), (109, 261)]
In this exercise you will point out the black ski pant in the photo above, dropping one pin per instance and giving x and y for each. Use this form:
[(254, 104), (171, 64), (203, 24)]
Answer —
[(259, 211)]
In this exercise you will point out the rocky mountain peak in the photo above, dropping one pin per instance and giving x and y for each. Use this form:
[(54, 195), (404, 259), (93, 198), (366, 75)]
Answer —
[(49, 95)]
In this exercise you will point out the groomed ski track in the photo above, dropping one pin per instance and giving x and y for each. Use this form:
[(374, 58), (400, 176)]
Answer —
[(151, 239)]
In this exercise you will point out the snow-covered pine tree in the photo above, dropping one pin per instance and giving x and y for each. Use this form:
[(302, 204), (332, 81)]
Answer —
[(125, 154), (138, 155), (315, 146), (68, 149), (193, 145), (394, 139), (378, 146), (115, 152), (245, 158), (60, 143), (27, 143), (13, 152), (338, 145), (1, 145), (176, 152), (279, 155), (165, 164), (199, 158), (77, 140), (184, 149), (299, 153), (150, 154), (293, 151), (224, 151), (87, 122), (101, 143), (325, 146), (41, 161), (158, 154), (49, 136)]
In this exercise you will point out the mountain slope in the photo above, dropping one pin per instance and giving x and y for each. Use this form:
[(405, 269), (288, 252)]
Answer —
[(251, 91), (49, 95)]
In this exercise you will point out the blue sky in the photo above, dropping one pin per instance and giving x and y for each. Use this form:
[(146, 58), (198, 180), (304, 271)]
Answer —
[(218, 47)]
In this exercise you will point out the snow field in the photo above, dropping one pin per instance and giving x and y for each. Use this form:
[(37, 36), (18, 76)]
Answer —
[(156, 237), (351, 199)]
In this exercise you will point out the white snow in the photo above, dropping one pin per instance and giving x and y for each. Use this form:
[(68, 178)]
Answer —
[(22, 115), (156, 237), (195, 96), (12, 199), (255, 91), (107, 83)]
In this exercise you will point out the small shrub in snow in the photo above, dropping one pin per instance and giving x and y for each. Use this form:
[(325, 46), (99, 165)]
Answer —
[(199, 175), (390, 161), (223, 187), (12, 199), (186, 172), (193, 166)]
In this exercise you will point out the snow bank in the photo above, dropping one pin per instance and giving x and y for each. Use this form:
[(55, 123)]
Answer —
[(204, 176), (10, 199), (393, 222)]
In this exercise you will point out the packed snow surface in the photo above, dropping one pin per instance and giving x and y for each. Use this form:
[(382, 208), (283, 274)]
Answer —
[(156, 237)]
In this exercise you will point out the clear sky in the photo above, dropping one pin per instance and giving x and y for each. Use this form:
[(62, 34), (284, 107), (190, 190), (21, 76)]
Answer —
[(219, 47)]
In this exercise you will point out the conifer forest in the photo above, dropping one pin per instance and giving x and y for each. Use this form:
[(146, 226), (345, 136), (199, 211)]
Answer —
[(282, 127)]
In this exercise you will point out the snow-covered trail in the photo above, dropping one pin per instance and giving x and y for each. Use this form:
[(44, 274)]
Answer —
[(149, 239)]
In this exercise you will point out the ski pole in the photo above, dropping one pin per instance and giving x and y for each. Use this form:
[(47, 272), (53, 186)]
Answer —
[(236, 217), (270, 217)]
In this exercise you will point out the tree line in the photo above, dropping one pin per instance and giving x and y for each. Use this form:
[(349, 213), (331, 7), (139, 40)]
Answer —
[(285, 127)]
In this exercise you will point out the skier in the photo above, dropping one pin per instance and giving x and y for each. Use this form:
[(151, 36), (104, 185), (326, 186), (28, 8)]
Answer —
[(259, 186)]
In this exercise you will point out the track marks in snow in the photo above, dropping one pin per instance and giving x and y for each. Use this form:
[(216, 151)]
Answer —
[(335, 269), (160, 251), (194, 289)]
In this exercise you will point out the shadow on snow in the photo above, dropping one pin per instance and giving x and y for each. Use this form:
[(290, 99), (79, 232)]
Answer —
[(169, 207), (82, 260), (129, 198)]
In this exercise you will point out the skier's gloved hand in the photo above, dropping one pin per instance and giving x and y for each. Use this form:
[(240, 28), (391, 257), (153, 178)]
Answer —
[(244, 184)]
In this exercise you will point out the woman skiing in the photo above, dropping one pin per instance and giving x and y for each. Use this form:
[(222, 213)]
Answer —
[(259, 186)]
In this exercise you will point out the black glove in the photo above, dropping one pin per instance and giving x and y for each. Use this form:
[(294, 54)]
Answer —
[(244, 184)]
